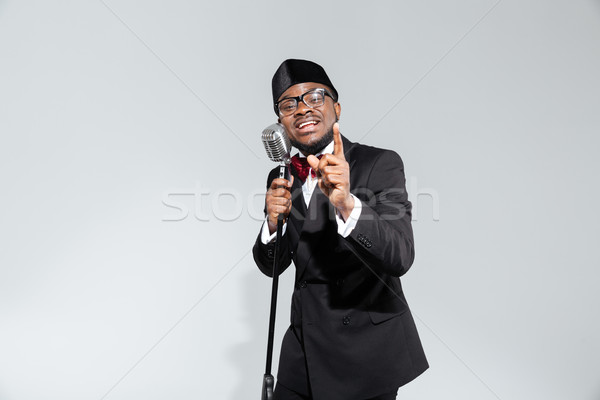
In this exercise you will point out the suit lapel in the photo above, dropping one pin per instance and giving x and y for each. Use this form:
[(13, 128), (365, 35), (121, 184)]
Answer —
[(315, 222), (298, 212)]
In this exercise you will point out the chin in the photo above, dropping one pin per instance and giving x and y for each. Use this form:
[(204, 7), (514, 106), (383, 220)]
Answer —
[(312, 137), (313, 143)]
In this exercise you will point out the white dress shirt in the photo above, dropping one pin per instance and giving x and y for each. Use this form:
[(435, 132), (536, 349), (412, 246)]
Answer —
[(344, 227)]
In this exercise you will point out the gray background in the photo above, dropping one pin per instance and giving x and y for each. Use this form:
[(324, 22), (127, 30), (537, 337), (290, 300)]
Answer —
[(112, 111)]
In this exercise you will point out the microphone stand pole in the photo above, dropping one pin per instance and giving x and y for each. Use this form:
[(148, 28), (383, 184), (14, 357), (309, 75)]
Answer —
[(268, 379)]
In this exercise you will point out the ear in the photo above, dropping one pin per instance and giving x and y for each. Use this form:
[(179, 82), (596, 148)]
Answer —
[(338, 110)]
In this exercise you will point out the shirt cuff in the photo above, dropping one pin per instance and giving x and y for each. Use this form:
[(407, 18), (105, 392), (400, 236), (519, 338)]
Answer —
[(344, 228), (266, 237)]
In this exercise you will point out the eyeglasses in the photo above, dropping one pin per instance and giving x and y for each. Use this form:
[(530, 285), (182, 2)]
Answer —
[(313, 98)]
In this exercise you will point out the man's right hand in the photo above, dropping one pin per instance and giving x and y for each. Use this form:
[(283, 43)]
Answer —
[(279, 201)]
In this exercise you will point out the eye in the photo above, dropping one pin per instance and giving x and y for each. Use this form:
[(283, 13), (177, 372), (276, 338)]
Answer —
[(287, 105), (314, 99)]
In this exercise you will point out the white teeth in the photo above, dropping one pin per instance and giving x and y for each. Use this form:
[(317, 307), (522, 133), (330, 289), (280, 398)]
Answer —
[(302, 125)]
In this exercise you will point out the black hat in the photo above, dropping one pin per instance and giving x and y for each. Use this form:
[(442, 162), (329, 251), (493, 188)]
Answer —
[(292, 72)]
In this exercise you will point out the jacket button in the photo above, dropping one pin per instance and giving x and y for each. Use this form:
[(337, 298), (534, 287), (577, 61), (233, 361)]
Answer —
[(270, 253), (303, 284), (346, 320), (339, 282)]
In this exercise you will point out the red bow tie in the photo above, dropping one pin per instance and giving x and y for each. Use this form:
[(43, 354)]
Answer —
[(302, 167)]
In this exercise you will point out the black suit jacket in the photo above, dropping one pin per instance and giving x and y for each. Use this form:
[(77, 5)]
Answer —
[(351, 328)]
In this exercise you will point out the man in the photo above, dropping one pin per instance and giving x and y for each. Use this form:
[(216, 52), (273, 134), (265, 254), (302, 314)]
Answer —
[(348, 231)]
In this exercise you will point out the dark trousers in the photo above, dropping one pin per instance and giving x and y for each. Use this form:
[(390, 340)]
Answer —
[(283, 393)]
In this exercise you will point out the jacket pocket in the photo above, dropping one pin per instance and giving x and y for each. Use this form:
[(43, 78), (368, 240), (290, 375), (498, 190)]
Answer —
[(384, 311)]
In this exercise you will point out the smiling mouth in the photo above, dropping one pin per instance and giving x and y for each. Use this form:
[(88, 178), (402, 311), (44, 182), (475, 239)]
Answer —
[(307, 126), (302, 125)]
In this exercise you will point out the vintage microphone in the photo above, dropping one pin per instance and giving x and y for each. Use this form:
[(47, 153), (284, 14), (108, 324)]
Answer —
[(278, 146)]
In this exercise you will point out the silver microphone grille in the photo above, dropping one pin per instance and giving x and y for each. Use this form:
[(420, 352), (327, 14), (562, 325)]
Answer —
[(277, 144)]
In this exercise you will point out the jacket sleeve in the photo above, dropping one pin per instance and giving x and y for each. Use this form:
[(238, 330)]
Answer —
[(383, 237), (264, 254)]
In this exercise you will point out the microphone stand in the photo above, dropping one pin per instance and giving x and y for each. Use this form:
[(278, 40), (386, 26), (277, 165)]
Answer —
[(268, 379)]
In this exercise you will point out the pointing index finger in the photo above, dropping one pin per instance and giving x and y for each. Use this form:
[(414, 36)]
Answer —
[(338, 146)]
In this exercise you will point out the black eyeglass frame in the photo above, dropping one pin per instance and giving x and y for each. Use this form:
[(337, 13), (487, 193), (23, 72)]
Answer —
[(301, 98)]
